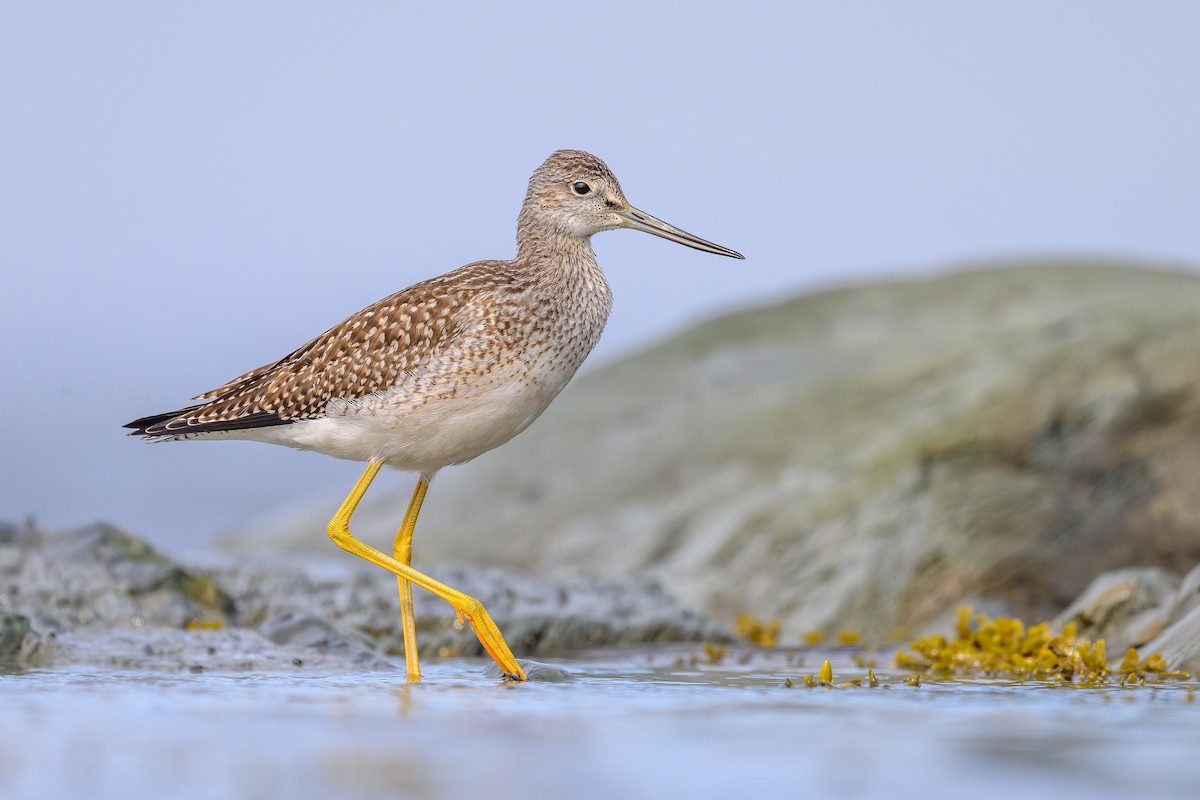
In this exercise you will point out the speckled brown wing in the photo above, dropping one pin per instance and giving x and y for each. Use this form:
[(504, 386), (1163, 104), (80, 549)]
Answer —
[(366, 353), (225, 387)]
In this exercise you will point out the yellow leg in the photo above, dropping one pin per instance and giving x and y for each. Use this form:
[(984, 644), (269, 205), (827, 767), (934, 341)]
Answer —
[(468, 607), (402, 548)]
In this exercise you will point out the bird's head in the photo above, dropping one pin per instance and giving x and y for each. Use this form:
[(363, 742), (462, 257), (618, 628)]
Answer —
[(575, 194)]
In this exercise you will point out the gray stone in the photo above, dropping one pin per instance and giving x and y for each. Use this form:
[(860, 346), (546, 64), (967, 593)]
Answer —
[(1188, 596), (535, 672), (1125, 607), (1179, 644), (301, 629), (537, 616)]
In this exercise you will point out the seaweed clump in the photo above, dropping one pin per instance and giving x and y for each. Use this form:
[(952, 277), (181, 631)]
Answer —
[(763, 633), (1005, 648)]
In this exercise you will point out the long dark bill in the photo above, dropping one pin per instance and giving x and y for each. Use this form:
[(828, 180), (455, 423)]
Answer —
[(641, 221)]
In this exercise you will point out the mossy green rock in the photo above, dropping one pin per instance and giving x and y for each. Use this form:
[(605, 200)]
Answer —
[(102, 574), (14, 628), (20, 645), (145, 571)]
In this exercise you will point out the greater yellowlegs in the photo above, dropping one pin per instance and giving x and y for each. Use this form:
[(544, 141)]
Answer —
[(442, 371)]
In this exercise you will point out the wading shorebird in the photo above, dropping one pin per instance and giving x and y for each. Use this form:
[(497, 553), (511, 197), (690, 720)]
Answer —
[(442, 371)]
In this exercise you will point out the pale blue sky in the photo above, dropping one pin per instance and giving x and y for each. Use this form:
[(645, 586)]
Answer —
[(188, 190)]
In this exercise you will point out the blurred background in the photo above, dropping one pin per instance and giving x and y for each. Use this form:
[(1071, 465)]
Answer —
[(188, 191)]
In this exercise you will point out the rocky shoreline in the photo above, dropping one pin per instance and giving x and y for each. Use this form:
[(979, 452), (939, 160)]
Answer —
[(101, 597)]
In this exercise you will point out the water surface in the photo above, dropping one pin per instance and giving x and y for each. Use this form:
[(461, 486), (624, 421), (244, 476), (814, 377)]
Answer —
[(634, 724)]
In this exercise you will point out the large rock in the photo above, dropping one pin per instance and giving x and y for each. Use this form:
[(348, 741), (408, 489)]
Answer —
[(1125, 607), (1179, 642), (101, 574), (1151, 609), (101, 596), (866, 457)]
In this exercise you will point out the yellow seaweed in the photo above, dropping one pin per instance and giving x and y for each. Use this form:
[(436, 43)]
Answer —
[(196, 624), (758, 632), (714, 653), (1005, 647)]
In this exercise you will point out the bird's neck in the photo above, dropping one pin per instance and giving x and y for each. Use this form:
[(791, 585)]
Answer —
[(569, 277), (558, 254)]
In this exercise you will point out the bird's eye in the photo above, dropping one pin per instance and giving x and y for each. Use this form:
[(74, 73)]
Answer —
[(580, 188)]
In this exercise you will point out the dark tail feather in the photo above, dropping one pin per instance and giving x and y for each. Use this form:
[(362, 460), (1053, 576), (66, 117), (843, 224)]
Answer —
[(154, 425), (180, 423)]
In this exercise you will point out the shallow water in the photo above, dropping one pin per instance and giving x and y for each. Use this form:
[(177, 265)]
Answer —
[(644, 724)]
